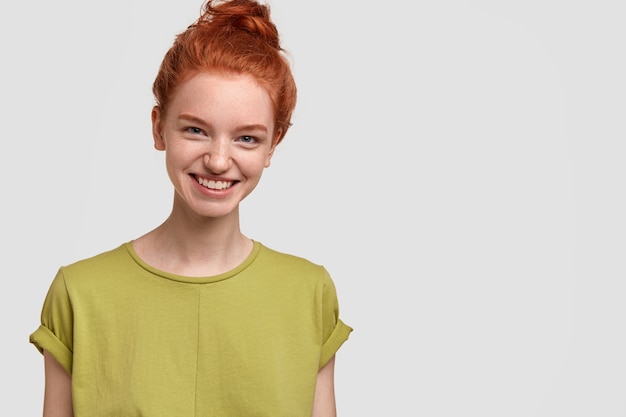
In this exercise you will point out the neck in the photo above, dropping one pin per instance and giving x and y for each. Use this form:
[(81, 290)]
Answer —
[(187, 244)]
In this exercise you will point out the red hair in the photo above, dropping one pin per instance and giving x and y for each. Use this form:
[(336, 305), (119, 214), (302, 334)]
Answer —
[(235, 36)]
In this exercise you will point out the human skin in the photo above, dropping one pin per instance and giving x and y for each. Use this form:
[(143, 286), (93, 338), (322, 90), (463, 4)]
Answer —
[(324, 403), (218, 136), (57, 400), (218, 130), (217, 127)]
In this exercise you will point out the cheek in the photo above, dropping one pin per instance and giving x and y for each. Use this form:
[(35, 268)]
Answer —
[(176, 160), (180, 152), (171, 159), (253, 166), (171, 169)]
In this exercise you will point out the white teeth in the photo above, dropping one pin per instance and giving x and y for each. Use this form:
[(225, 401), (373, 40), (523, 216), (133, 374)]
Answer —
[(214, 185)]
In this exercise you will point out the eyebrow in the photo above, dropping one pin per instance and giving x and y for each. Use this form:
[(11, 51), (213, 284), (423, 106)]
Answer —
[(197, 120)]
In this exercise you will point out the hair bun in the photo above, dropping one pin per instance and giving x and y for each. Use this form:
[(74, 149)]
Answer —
[(246, 15)]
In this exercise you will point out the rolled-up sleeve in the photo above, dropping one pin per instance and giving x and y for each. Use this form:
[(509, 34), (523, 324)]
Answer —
[(55, 333)]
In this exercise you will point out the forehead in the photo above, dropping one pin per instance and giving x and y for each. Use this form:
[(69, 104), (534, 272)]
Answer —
[(212, 94)]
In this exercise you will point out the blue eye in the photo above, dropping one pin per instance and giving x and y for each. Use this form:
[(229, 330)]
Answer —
[(195, 130), (247, 139)]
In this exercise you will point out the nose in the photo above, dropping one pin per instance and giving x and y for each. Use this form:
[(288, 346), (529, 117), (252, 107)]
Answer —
[(217, 156)]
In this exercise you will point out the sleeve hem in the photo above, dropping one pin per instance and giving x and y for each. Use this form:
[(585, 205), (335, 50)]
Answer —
[(44, 339), (337, 338)]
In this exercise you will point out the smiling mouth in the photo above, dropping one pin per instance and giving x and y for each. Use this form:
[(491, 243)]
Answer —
[(212, 184)]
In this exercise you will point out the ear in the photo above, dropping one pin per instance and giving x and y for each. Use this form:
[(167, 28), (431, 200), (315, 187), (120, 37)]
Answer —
[(268, 159), (159, 143)]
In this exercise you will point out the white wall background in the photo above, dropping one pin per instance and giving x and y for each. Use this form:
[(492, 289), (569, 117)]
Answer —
[(458, 166)]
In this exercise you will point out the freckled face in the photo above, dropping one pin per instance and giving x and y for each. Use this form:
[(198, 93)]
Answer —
[(218, 136)]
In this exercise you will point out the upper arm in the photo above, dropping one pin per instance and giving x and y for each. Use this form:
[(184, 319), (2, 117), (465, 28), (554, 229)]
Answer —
[(58, 389), (324, 403)]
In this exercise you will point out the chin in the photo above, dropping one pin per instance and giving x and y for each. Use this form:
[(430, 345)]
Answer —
[(216, 213)]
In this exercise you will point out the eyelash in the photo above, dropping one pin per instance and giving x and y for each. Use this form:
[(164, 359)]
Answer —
[(252, 139), (198, 131), (195, 130)]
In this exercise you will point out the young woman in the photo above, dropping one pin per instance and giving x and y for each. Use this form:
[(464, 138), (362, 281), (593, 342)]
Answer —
[(194, 318)]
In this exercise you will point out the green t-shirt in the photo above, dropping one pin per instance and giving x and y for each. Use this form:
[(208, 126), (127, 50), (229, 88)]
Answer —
[(142, 342)]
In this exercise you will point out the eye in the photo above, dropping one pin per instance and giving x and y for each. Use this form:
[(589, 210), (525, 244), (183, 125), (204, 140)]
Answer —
[(194, 130), (248, 139)]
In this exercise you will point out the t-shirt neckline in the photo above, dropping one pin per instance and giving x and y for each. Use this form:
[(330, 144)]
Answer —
[(256, 248)]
